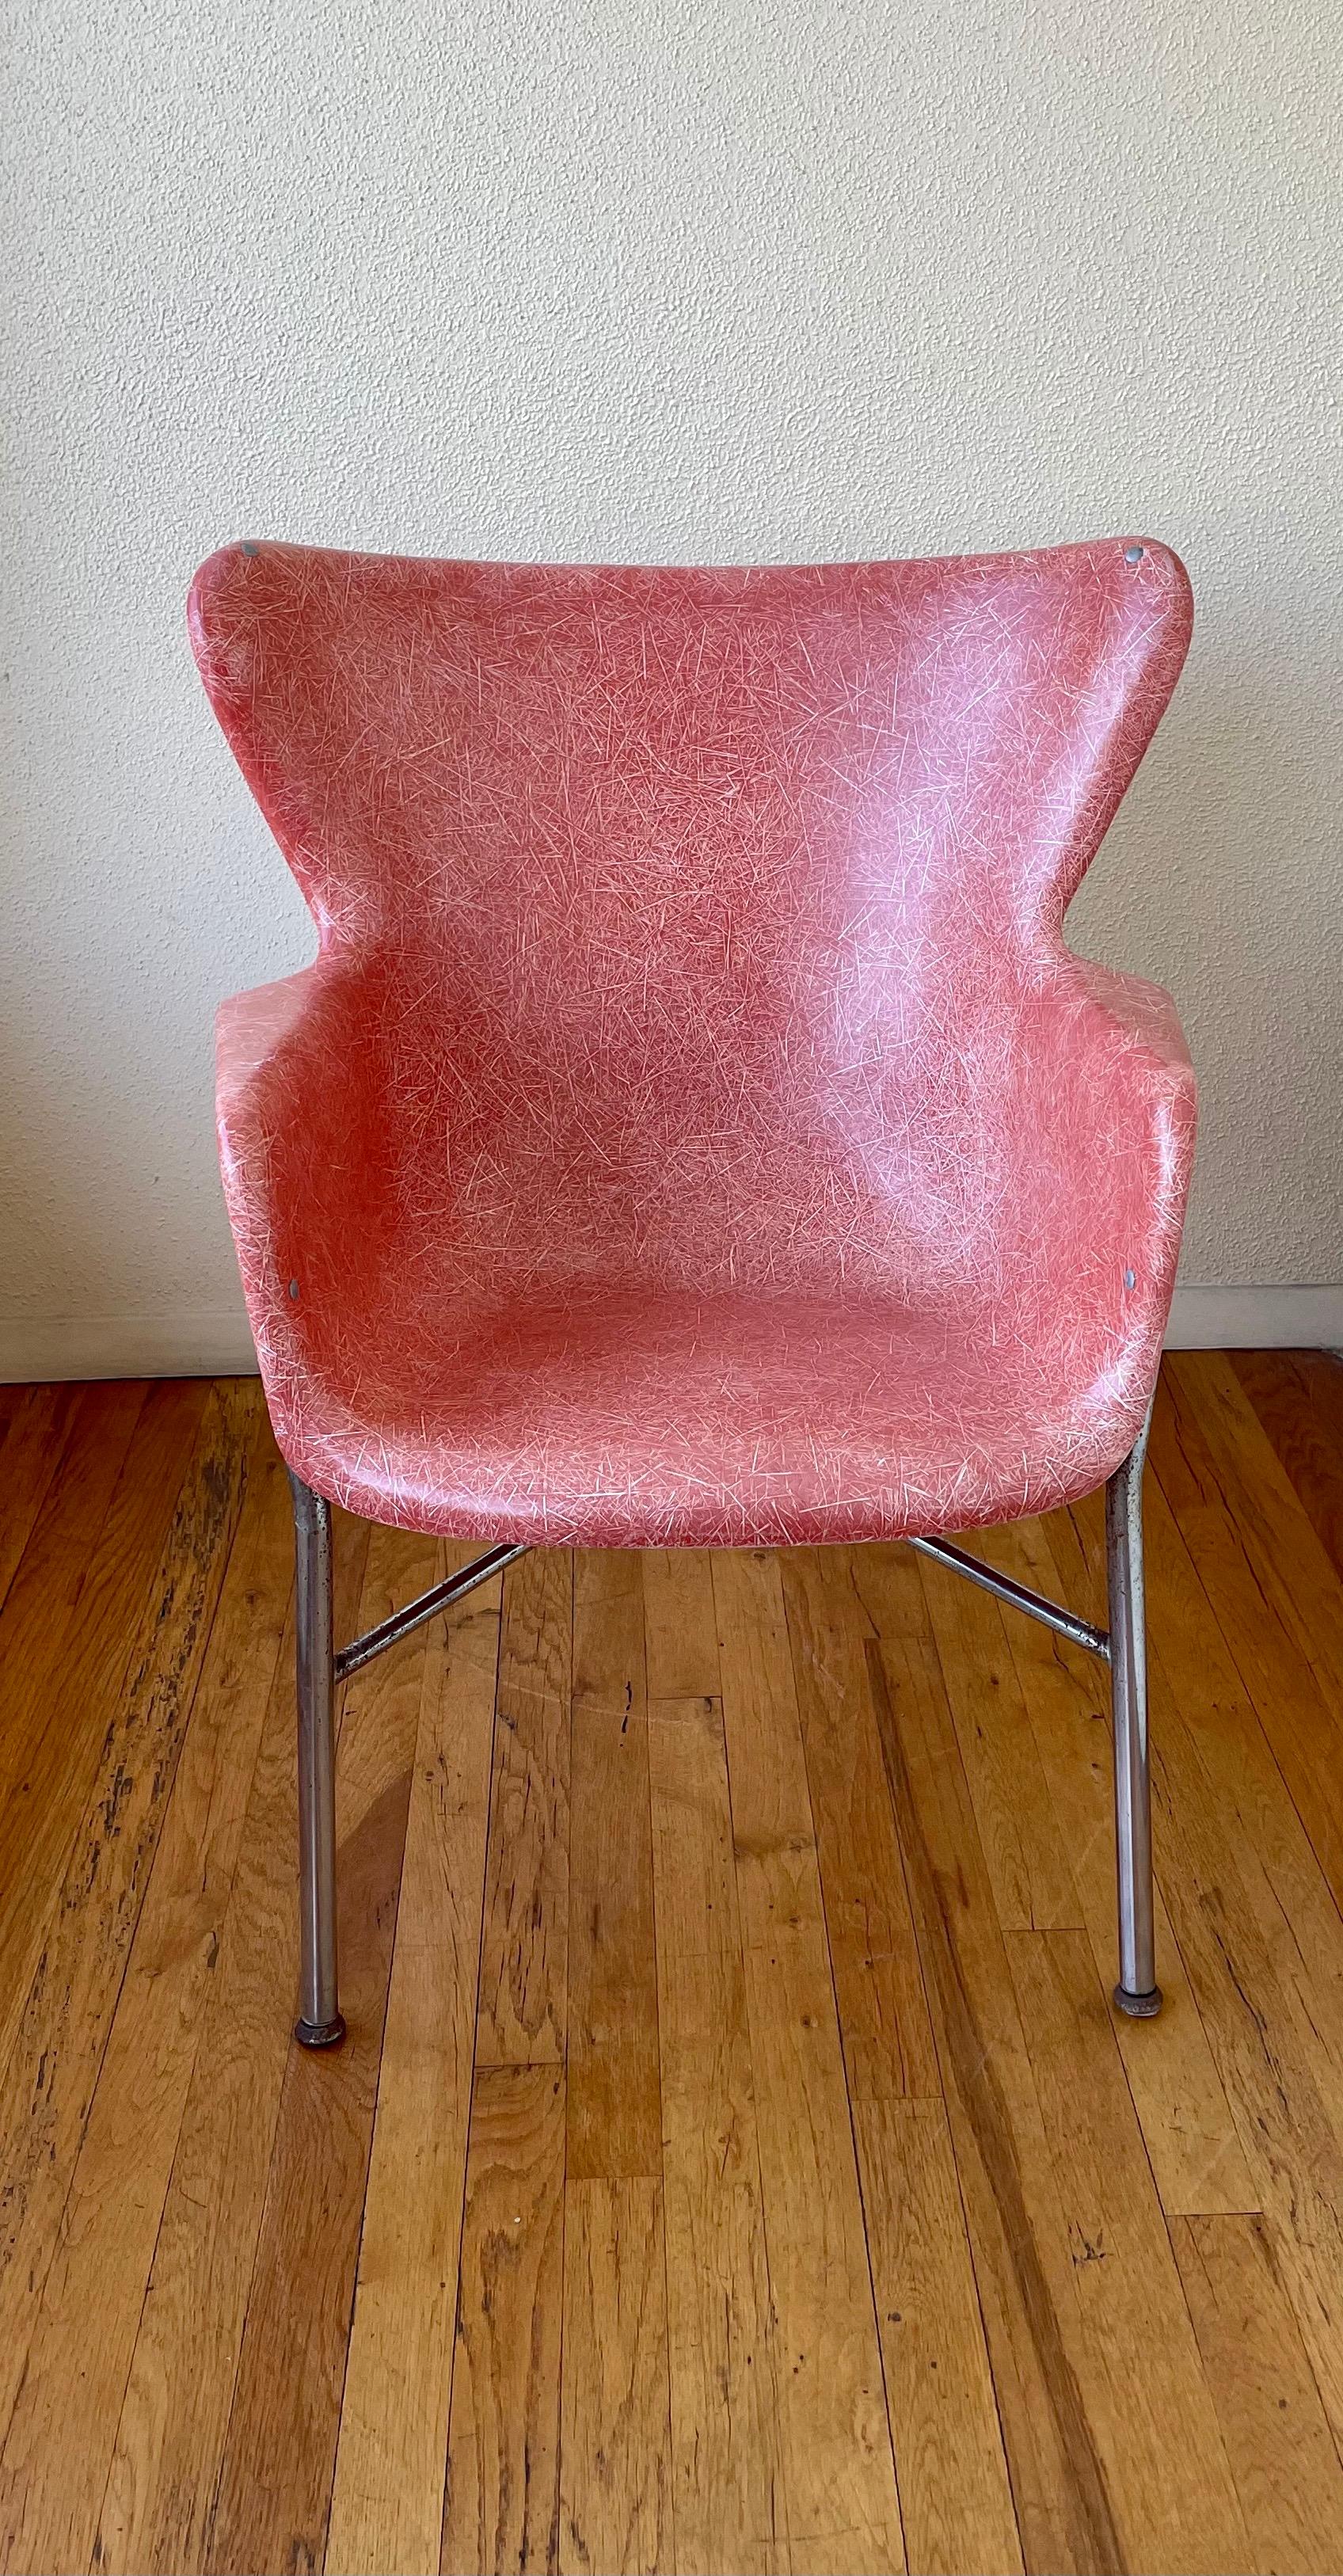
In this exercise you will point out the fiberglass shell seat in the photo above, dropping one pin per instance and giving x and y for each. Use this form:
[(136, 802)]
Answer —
[(694, 1129)]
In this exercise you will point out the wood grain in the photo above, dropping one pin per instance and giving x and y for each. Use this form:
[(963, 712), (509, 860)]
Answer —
[(1186, 2120), (1298, 1396), (955, 2494), (1019, 1833), (387, 2504), (275, 2480), (1259, 1937), (35, 1433), (72, 1611), (615, 2437), (883, 2011), (1022, 2262), (523, 2011), (1291, 1565), (1269, 1638), (1201, 1707), (54, 2066), (174, 2418), (839, 2477), (680, 1623), (1137, 2362), (728, 2500), (808, 2200), (80, 2354), (502, 2506), (614, 2106), (1277, 2439)]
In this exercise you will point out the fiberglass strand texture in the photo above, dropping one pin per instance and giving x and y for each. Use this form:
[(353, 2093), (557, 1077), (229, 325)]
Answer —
[(694, 1128)]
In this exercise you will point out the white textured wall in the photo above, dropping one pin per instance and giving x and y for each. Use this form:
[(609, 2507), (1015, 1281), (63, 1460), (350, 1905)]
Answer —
[(631, 280)]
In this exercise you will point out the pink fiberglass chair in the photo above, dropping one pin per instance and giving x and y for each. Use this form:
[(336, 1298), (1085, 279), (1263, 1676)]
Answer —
[(693, 1129)]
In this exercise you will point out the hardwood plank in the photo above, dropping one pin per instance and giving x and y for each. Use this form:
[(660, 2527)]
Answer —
[(1028, 2295), (1019, 1835), (1182, 2107), (1298, 1396), (1277, 2437), (275, 2478), (1259, 1938), (387, 2503), (710, 2347), (35, 1435), (773, 1834), (524, 1956), (1301, 1716), (883, 2011), (680, 1624), (60, 2438), (955, 2495), (1239, 1794), (502, 2508), (839, 2477), (1277, 1861), (1296, 1573), (614, 2109), (72, 1605), (842, 2502), (174, 2419), (615, 2436), (58, 1528), (53, 2067), (727, 2494), (1140, 2362), (728, 2503)]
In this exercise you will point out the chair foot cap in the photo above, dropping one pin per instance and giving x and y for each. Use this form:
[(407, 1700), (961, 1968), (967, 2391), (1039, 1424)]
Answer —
[(1139, 2007), (320, 2034)]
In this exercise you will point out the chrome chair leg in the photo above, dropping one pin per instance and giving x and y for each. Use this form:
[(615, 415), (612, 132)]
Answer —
[(1137, 1991), (319, 2024)]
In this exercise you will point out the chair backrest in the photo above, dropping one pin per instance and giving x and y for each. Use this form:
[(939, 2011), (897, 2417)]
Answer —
[(696, 883)]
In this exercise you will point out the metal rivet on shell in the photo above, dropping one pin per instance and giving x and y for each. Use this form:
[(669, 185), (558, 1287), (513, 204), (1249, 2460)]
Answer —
[(293, 1287), (1130, 1279), (1133, 554)]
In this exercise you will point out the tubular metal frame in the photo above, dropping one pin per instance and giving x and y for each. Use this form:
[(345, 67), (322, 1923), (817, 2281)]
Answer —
[(319, 2024), (361, 1650), (1137, 1992), (1079, 1632), (1123, 1646)]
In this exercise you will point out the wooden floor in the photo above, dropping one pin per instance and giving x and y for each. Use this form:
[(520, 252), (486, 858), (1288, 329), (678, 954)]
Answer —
[(734, 2163)]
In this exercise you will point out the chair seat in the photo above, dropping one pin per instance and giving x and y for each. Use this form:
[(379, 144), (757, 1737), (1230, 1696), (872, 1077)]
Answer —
[(694, 1127), (638, 1418)]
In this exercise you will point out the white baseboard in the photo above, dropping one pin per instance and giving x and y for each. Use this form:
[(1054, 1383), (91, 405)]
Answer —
[(1256, 1319), (219, 1345)]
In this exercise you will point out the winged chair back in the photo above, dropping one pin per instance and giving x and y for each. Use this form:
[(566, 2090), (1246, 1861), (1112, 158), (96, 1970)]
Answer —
[(704, 927)]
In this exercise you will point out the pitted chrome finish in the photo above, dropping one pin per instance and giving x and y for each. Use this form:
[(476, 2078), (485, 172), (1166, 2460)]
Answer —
[(426, 1605), (1079, 1632)]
